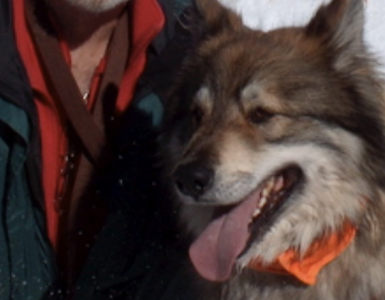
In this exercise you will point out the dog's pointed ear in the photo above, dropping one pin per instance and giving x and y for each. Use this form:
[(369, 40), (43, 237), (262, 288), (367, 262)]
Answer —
[(339, 26), (217, 18)]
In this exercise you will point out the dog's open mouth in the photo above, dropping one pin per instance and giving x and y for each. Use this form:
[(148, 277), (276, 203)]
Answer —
[(273, 194), (229, 235)]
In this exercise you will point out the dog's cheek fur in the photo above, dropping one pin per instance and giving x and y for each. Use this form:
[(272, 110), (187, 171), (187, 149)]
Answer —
[(333, 192)]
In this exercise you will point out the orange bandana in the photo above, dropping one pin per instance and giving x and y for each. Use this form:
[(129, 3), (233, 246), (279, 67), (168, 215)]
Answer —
[(319, 254)]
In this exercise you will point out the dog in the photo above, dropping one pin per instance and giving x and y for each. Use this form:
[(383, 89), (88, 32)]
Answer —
[(274, 148)]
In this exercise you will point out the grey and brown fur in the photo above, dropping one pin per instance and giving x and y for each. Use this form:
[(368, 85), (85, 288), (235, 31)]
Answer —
[(250, 103)]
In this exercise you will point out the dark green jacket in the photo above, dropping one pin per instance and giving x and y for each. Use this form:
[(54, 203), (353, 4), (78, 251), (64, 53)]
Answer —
[(137, 255), (26, 265)]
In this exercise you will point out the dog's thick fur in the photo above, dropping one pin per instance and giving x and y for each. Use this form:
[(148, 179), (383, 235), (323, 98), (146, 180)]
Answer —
[(250, 104)]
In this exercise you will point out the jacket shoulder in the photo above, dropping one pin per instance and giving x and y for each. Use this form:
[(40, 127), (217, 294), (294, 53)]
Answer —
[(5, 16)]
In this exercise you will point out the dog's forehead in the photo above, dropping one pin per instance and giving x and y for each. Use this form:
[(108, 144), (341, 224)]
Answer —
[(276, 83), (256, 93), (251, 49), (281, 58), (283, 69)]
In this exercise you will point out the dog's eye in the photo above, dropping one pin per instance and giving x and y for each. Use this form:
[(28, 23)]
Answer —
[(259, 115), (197, 115)]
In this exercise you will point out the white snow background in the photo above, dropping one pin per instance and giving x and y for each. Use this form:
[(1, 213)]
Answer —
[(270, 14)]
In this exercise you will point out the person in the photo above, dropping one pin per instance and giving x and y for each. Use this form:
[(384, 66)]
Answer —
[(82, 87)]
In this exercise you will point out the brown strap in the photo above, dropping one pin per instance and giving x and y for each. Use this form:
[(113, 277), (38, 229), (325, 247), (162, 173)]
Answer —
[(117, 56), (93, 139), (83, 196)]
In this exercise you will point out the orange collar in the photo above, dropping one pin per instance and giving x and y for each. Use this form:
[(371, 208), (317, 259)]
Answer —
[(306, 268)]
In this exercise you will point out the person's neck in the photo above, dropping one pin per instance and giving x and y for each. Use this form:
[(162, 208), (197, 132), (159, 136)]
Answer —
[(79, 27), (87, 35)]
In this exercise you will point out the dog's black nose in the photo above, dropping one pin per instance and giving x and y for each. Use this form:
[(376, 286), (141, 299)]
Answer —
[(193, 179)]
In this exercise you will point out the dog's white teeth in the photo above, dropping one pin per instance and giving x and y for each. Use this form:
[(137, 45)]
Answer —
[(262, 202), (268, 187), (273, 185), (256, 213)]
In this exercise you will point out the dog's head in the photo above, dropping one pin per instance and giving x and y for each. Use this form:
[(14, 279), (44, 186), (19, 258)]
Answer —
[(274, 139)]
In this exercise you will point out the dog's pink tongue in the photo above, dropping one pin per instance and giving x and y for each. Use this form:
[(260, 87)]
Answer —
[(214, 252)]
